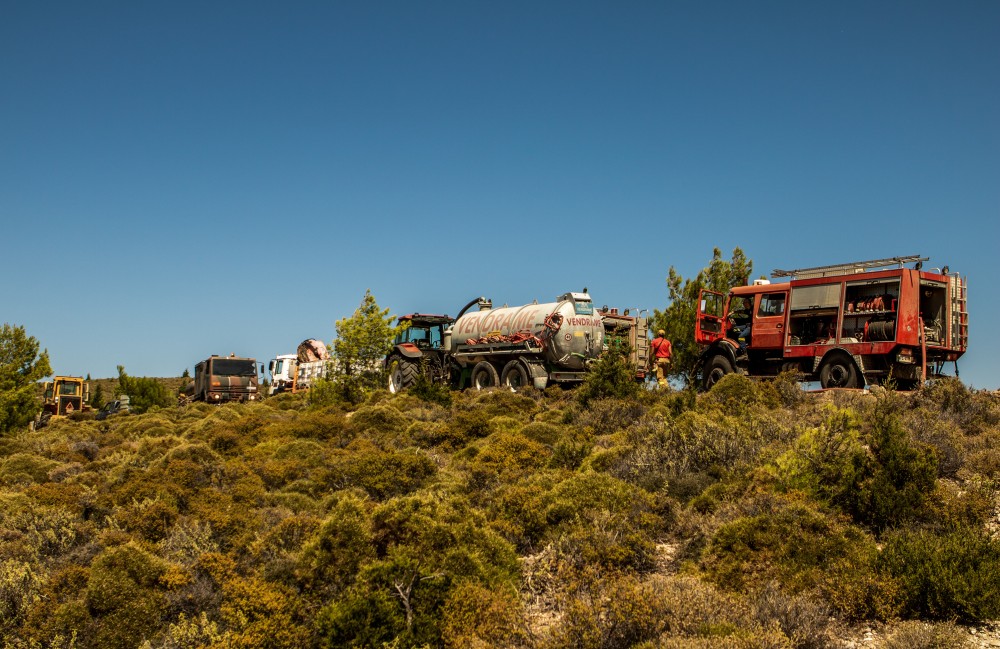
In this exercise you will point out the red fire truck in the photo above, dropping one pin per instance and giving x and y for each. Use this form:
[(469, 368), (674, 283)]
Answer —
[(844, 325)]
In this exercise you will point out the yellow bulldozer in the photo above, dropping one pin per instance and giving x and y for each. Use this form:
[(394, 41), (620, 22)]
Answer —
[(63, 396)]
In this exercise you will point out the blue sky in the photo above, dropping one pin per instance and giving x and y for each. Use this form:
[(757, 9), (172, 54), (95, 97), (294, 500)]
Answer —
[(185, 179)]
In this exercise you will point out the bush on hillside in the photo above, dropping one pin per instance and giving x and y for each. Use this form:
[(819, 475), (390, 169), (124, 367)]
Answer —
[(949, 575)]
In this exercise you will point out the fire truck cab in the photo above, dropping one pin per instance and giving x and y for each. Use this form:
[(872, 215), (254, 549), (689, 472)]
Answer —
[(845, 325)]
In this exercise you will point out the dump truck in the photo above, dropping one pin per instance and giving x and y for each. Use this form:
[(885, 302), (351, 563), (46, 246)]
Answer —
[(220, 379), (532, 344), (62, 396), (295, 372), (844, 325)]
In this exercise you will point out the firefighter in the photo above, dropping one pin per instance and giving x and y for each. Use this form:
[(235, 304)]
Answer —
[(662, 350), (742, 319)]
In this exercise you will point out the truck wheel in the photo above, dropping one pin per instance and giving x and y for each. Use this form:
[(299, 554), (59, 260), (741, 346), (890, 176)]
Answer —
[(838, 372), (716, 368), (514, 376), (484, 376), (402, 374)]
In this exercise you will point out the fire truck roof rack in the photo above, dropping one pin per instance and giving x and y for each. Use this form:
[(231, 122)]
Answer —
[(847, 269)]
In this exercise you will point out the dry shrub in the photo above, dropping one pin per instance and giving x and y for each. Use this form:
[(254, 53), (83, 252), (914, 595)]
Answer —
[(501, 403), (983, 455), (597, 519), (189, 539), (505, 458), (612, 611), (382, 474), (477, 617), (149, 519), (945, 437), (803, 620), (25, 468), (547, 434), (923, 635), (608, 416), (379, 421)]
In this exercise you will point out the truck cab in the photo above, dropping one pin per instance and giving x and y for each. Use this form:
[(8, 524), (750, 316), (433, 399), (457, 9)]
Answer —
[(220, 379)]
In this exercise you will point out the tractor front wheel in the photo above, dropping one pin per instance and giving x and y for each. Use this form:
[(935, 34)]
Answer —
[(402, 374)]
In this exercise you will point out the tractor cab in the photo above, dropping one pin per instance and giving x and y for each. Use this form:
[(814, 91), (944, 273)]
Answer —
[(424, 331)]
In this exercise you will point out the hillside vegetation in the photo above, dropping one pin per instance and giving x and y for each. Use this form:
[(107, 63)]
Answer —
[(755, 515)]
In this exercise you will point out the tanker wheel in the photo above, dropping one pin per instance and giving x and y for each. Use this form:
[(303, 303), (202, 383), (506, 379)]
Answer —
[(484, 376), (838, 372), (716, 368), (514, 376), (402, 374)]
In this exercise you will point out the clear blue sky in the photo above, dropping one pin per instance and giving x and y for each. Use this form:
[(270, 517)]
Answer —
[(187, 178)]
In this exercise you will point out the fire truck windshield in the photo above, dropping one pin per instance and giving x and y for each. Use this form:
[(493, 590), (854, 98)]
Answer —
[(233, 367)]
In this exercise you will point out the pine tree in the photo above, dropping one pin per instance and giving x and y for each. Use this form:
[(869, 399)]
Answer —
[(677, 320), (21, 367), (363, 340)]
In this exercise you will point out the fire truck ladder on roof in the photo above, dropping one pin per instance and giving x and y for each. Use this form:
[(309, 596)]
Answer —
[(847, 269)]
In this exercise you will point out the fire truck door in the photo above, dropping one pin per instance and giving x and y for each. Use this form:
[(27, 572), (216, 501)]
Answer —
[(768, 330), (709, 323)]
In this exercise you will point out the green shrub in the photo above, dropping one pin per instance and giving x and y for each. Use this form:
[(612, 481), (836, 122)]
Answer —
[(21, 468), (379, 421), (383, 474), (828, 461), (598, 519), (737, 394), (799, 548), (361, 619), (125, 596), (504, 458), (898, 483), (333, 554), (610, 376), (951, 575)]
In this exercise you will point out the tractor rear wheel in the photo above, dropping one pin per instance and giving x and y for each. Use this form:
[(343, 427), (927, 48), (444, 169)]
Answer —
[(402, 374), (716, 368), (514, 376), (484, 375)]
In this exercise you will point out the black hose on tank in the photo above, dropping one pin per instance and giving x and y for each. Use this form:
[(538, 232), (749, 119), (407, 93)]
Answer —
[(469, 306)]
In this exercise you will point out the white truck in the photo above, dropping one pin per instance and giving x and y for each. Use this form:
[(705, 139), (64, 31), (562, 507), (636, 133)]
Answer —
[(296, 372)]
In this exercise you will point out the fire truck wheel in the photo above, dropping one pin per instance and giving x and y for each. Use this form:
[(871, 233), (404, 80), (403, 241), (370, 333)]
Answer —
[(402, 374), (484, 376), (838, 372), (716, 368), (514, 376)]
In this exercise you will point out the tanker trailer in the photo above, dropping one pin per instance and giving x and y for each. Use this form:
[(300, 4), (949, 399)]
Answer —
[(532, 344)]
